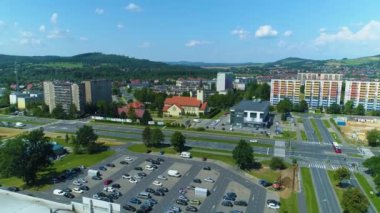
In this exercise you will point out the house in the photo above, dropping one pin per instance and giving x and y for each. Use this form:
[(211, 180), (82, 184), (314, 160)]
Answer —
[(250, 113), (180, 105), (138, 107)]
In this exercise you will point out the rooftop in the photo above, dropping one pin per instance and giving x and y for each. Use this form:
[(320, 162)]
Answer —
[(251, 105)]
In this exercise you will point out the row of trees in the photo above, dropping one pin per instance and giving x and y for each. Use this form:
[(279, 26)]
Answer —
[(257, 91), (285, 106), (154, 101), (221, 101), (155, 137), (348, 109)]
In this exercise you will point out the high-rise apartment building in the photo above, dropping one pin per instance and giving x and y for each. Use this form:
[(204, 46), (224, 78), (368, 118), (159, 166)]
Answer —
[(224, 81), (285, 89), (322, 93), (98, 90), (363, 92), (65, 94), (319, 76)]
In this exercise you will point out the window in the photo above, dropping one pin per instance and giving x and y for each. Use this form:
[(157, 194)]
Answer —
[(245, 114), (253, 115)]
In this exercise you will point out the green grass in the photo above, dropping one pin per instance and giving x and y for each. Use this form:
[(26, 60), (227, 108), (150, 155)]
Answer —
[(227, 141), (140, 148), (316, 130), (335, 137), (326, 123), (338, 191), (355, 155), (290, 204), (367, 188), (299, 120), (292, 135), (223, 158), (308, 187), (303, 135)]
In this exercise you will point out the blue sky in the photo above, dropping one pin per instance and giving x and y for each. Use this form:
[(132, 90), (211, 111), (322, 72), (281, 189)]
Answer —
[(192, 30)]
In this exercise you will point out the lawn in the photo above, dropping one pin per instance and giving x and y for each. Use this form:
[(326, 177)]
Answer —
[(227, 141), (265, 173), (299, 120), (303, 135), (290, 204), (292, 135), (316, 130), (367, 188), (335, 137), (326, 123), (308, 187), (9, 132), (338, 191)]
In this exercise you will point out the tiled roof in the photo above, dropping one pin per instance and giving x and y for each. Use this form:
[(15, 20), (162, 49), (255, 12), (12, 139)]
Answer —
[(136, 105), (183, 101), (204, 106)]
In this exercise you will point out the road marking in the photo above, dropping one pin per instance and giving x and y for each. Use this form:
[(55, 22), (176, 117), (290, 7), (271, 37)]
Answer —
[(268, 151)]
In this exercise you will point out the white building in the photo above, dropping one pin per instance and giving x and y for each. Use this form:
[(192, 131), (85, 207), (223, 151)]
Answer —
[(363, 92), (285, 89), (319, 76), (224, 81), (322, 93)]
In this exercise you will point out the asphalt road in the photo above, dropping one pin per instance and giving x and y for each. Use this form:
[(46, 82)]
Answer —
[(310, 133), (324, 132), (325, 194)]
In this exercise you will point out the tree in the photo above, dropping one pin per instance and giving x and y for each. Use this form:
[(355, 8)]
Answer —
[(157, 137), (277, 163), (354, 201), (373, 137), (58, 112), (147, 137), (86, 138), (283, 116), (342, 174), (145, 118), (243, 155), (73, 112), (25, 156), (303, 107), (348, 107), (360, 110), (373, 164), (284, 106), (131, 114), (67, 139), (123, 115), (334, 108), (178, 141)]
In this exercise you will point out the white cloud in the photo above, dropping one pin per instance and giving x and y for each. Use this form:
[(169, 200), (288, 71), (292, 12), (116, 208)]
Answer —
[(83, 38), (194, 43), (42, 28), (369, 32), (145, 44), (322, 29), (266, 31), (241, 33), (54, 18), (133, 7), (99, 11), (57, 33), (288, 33), (120, 26), (27, 38)]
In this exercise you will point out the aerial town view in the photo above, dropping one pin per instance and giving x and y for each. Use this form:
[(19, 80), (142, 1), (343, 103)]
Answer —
[(209, 106)]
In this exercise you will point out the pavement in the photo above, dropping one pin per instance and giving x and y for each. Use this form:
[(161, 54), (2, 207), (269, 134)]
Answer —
[(310, 133), (324, 132)]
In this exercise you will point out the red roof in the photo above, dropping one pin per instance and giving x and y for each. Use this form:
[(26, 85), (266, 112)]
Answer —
[(136, 105), (122, 109), (138, 112), (204, 106), (183, 101)]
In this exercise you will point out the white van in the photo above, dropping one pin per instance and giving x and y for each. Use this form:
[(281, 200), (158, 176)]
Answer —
[(174, 173), (185, 154)]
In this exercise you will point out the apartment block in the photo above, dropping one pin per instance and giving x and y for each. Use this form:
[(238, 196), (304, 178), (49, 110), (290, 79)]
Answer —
[(224, 81), (319, 76), (65, 94), (322, 93), (363, 92), (285, 89), (98, 90)]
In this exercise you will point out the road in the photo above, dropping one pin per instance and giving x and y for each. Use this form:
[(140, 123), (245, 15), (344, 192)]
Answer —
[(324, 132), (310, 133), (327, 199)]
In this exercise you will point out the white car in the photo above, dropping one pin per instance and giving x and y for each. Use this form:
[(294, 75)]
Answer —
[(253, 141), (209, 179), (128, 158), (109, 189), (82, 180), (126, 176), (136, 177), (273, 206), (58, 192), (77, 183), (162, 177), (77, 190), (131, 180), (149, 168), (157, 183)]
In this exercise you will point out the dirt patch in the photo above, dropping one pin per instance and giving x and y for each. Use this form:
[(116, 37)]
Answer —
[(287, 182), (356, 130), (9, 132)]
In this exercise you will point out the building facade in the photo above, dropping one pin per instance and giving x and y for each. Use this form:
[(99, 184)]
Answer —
[(285, 89), (319, 76), (224, 81), (179, 105), (98, 90), (65, 94), (363, 92), (322, 93), (249, 114)]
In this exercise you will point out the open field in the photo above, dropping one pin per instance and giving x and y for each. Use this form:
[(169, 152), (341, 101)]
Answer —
[(9, 132), (355, 130), (308, 187)]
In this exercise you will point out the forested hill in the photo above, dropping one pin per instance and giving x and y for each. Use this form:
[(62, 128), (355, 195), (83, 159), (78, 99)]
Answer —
[(90, 66)]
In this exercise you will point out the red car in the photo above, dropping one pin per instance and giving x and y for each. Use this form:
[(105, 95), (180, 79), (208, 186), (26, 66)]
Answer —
[(107, 182)]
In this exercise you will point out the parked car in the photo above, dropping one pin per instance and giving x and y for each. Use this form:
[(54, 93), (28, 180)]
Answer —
[(209, 179), (135, 200), (123, 162), (231, 194), (126, 176), (195, 202), (157, 183), (228, 198), (207, 168), (156, 162), (240, 203), (149, 167), (160, 159), (163, 189), (191, 209), (183, 197), (162, 177), (68, 195), (77, 183), (110, 165), (150, 190), (128, 158), (129, 208), (58, 192), (66, 189), (84, 187), (102, 168), (197, 180), (109, 189), (107, 182), (159, 193), (181, 202), (137, 177), (96, 178), (13, 189), (116, 185), (149, 160), (77, 190), (227, 203), (138, 168), (132, 180), (264, 183), (142, 174), (273, 204)]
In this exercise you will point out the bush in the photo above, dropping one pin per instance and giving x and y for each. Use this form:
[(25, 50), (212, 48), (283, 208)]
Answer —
[(200, 129), (277, 163)]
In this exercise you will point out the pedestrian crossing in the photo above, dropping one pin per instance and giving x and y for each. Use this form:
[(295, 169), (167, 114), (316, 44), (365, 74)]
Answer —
[(321, 165)]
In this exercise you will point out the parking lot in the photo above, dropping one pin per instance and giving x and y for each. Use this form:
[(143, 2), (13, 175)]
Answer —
[(218, 181)]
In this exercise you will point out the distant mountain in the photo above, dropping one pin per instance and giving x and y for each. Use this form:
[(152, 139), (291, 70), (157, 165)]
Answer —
[(205, 64)]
